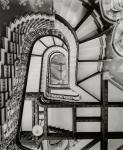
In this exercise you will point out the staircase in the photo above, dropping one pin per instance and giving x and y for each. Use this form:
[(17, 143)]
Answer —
[(83, 40), (13, 70)]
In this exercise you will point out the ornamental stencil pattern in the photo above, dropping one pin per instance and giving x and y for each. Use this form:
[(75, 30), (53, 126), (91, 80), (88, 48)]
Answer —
[(39, 3), (5, 4), (23, 2), (36, 3)]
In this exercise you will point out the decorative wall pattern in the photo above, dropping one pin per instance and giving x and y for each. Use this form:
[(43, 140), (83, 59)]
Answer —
[(5, 4)]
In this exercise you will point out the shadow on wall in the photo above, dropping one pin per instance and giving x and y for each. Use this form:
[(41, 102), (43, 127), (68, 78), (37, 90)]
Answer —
[(120, 148)]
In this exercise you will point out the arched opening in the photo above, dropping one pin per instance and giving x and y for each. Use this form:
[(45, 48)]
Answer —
[(58, 71), (55, 57)]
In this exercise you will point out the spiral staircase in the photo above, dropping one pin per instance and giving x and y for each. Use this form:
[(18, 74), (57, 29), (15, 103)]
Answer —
[(62, 65)]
